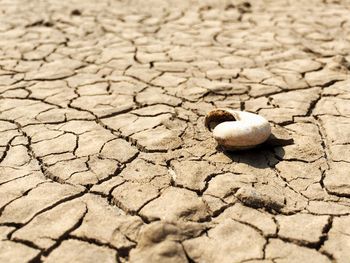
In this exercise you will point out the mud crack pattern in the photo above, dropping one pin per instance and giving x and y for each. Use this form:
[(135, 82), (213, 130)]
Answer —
[(104, 156)]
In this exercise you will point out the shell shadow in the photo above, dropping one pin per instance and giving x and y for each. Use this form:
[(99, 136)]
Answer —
[(263, 156)]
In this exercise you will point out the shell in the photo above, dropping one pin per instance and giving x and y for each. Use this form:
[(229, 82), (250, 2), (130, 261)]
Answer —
[(237, 130)]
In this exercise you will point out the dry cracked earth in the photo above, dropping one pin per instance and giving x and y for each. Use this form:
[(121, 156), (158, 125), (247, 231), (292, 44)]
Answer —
[(104, 156)]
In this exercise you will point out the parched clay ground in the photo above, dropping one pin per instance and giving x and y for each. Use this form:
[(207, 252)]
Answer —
[(104, 156)]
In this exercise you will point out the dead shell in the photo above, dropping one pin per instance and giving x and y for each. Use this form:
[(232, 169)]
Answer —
[(237, 130)]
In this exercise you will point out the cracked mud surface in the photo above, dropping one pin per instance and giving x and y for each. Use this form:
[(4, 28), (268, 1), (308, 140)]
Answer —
[(104, 156)]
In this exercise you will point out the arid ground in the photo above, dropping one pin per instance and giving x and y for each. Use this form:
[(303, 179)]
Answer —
[(104, 156)]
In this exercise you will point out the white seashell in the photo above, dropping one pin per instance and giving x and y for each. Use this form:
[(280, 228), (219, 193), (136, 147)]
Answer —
[(237, 130)]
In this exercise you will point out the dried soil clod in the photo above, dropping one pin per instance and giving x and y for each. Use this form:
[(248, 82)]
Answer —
[(237, 130)]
